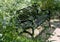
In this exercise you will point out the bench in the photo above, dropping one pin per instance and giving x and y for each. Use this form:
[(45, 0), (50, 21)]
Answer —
[(30, 18)]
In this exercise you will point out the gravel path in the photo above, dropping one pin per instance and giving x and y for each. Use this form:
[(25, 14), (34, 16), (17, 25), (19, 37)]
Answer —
[(55, 29), (56, 34), (55, 23)]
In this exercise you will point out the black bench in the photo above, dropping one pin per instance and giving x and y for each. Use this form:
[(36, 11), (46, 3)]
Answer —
[(30, 18)]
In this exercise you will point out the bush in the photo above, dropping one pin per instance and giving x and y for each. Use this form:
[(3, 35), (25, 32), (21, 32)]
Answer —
[(7, 20)]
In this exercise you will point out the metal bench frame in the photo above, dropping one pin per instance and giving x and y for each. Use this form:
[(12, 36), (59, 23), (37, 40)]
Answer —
[(24, 29)]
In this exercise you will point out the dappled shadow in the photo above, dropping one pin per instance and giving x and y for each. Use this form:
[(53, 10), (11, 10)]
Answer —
[(55, 23), (47, 32)]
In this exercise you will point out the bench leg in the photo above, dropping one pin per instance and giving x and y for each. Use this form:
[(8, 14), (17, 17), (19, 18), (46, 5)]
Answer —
[(25, 32), (32, 32), (49, 23)]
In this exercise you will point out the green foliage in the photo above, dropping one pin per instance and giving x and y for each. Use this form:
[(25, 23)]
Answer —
[(8, 15), (7, 19), (48, 4)]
